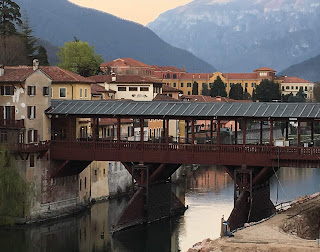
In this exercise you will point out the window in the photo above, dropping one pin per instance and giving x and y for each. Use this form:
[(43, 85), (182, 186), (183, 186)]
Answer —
[(31, 112), (104, 171), (287, 87), (174, 76), (62, 92), (181, 84), (32, 136), (31, 90), (31, 160), (170, 95), (110, 167), (188, 84), (246, 85), (231, 84), (95, 172), (174, 84), (85, 93), (80, 184), (122, 89), (51, 92), (80, 92), (305, 88), (144, 88), (7, 90), (9, 112), (115, 166), (133, 89), (3, 137), (85, 182), (189, 93), (45, 91), (282, 88), (263, 74), (297, 87), (168, 76), (292, 87)]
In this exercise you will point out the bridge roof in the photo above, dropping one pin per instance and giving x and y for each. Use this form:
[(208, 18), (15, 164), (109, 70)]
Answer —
[(176, 109)]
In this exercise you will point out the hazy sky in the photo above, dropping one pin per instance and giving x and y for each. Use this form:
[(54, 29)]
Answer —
[(140, 11)]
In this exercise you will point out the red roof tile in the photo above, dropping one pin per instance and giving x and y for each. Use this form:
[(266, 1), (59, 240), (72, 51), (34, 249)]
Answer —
[(168, 68), (124, 62), (294, 80), (16, 73), (60, 75), (163, 97), (240, 76), (166, 88)]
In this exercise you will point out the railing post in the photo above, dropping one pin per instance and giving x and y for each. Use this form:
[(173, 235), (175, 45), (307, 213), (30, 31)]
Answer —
[(192, 132), (244, 130), (261, 132), (211, 130), (236, 132), (141, 131), (167, 133), (271, 133), (218, 133), (299, 133), (118, 131)]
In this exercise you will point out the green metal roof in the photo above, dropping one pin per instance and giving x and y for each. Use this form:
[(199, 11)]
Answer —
[(172, 109)]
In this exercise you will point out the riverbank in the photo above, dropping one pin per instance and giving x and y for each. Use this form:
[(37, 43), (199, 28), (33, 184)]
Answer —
[(288, 230)]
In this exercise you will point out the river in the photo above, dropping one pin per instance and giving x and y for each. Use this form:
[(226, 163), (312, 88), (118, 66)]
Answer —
[(208, 192)]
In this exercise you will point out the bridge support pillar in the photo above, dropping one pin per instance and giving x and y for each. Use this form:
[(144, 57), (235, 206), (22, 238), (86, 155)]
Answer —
[(153, 200), (251, 195)]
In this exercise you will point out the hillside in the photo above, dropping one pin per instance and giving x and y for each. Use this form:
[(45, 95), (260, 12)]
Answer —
[(308, 70), (242, 35), (60, 21)]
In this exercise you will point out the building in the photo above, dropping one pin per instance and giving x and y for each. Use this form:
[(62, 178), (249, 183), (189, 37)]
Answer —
[(129, 87), (292, 85), (127, 66)]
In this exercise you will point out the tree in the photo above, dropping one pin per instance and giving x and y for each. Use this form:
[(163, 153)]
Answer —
[(13, 50), (79, 57), (195, 90), (299, 97), (236, 92), (30, 40), (42, 56), (246, 95), (218, 88), (316, 91), (205, 90), (268, 91), (9, 17), (14, 189)]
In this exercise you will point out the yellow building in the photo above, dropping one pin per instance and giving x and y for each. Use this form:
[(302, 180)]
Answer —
[(293, 84)]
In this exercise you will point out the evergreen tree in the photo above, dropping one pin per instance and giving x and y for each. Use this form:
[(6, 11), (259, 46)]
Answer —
[(268, 91), (195, 90), (42, 56), (236, 92), (205, 90), (30, 40), (246, 95), (9, 17), (218, 88)]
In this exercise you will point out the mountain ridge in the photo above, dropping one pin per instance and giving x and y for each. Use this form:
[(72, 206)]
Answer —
[(60, 21), (244, 34)]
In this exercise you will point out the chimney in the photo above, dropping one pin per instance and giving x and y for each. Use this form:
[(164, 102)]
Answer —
[(113, 77), (1, 70), (35, 64)]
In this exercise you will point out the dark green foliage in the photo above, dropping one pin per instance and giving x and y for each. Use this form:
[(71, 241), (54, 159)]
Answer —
[(42, 56), (218, 88), (254, 95), (9, 17), (316, 91), (195, 90), (30, 40), (13, 190), (246, 95), (268, 91), (236, 92), (299, 97), (205, 90)]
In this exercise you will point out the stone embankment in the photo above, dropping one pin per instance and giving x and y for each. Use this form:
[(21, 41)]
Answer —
[(295, 229)]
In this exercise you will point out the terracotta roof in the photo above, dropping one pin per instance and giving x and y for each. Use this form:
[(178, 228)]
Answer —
[(240, 76), (168, 68), (124, 79), (124, 62), (195, 76), (60, 75), (16, 73), (113, 121), (295, 80), (166, 88), (264, 69), (163, 97), (198, 98)]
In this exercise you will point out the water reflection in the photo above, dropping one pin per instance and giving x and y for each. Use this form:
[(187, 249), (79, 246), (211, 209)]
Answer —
[(208, 191)]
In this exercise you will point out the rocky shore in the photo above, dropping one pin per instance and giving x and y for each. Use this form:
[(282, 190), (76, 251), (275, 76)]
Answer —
[(294, 229)]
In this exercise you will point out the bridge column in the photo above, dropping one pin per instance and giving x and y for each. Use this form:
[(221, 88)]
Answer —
[(261, 132), (141, 130), (251, 195), (287, 130), (153, 200), (312, 133)]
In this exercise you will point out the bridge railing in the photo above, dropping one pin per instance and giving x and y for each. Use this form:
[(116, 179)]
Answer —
[(272, 151)]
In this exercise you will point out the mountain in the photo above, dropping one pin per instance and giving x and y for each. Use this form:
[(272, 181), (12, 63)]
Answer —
[(308, 70), (242, 35), (51, 51), (60, 21)]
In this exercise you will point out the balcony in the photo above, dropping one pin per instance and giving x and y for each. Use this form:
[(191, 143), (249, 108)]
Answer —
[(29, 148), (11, 124)]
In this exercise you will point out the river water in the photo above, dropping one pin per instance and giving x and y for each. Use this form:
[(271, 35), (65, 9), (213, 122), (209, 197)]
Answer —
[(208, 192)]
